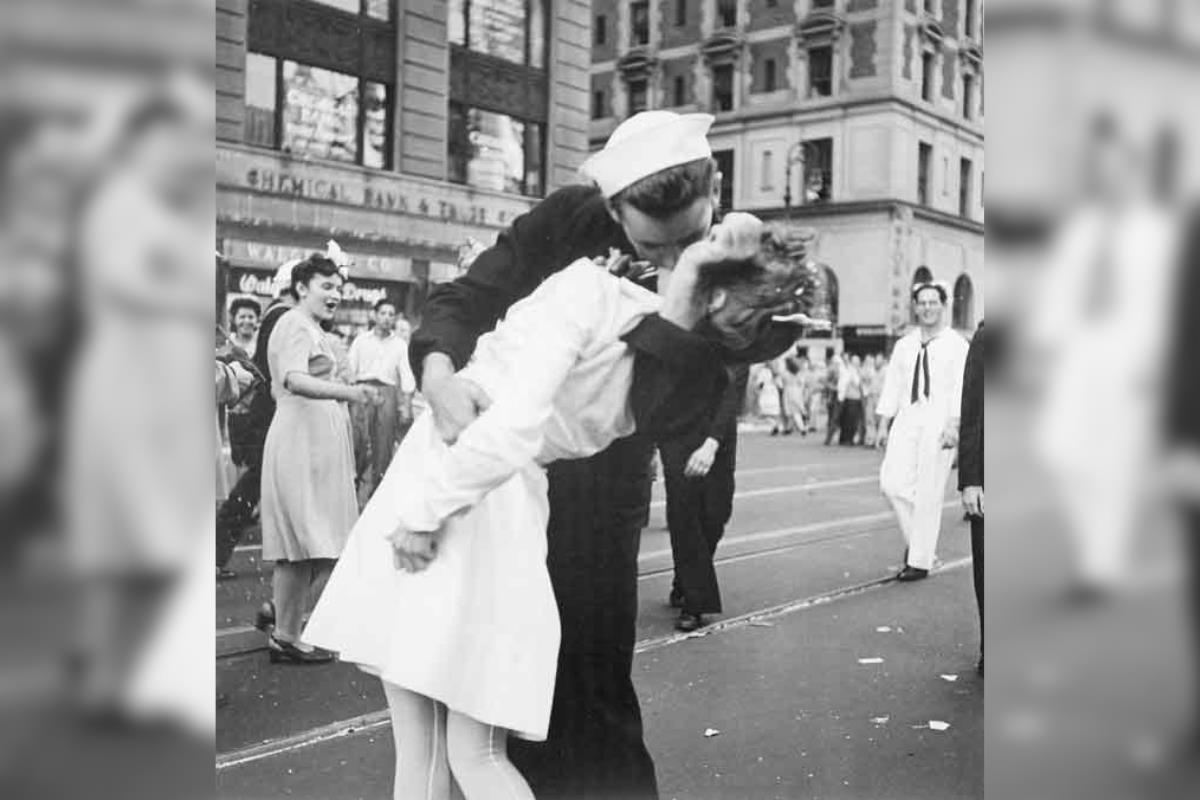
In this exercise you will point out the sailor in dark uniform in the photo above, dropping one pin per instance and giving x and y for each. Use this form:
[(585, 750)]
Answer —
[(656, 192)]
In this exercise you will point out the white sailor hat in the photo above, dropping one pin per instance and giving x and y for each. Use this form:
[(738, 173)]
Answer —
[(645, 144)]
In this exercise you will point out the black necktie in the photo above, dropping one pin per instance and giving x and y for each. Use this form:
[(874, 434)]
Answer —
[(921, 368)]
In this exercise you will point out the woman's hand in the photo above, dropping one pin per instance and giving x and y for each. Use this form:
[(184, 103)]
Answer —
[(366, 394), (413, 551), (737, 236)]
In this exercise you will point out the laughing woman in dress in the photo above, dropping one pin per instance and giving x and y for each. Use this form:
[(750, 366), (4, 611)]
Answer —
[(443, 590), (308, 504)]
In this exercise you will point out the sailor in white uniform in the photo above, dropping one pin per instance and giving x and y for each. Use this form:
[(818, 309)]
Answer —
[(918, 418)]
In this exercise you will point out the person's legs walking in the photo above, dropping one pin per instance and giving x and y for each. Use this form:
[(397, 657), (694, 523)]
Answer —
[(419, 733)]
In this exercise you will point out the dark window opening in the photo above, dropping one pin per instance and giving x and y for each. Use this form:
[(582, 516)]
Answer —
[(726, 13), (769, 76), (601, 35), (599, 106), (680, 95), (723, 87), (637, 95), (818, 171), (640, 24), (924, 165), (927, 76), (680, 13), (964, 187), (820, 72)]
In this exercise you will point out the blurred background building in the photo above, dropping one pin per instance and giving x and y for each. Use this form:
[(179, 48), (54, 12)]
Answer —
[(401, 128), (859, 119)]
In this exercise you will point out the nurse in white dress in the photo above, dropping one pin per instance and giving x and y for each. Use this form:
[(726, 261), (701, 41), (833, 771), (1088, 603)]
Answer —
[(918, 417), (467, 645)]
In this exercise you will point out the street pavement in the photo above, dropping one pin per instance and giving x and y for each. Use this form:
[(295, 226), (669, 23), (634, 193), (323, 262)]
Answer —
[(772, 700)]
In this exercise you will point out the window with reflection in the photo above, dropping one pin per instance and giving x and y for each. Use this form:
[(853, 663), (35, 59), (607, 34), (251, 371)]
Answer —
[(494, 151), (317, 113), (320, 112), (514, 30)]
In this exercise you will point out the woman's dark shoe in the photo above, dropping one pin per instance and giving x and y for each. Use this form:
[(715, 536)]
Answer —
[(675, 600), (264, 619), (287, 653), (912, 574), (688, 622)]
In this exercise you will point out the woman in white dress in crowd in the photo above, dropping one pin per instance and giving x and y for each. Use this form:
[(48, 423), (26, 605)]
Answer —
[(442, 590)]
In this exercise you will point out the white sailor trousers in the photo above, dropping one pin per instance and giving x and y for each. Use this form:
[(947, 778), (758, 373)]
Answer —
[(913, 478)]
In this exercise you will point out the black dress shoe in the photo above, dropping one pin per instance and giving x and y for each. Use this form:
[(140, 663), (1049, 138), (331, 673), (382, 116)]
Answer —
[(675, 599), (688, 622), (264, 619), (912, 574), (287, 653)]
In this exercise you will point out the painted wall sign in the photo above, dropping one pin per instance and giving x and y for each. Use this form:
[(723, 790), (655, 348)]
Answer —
[(281, 175), (364, 265)]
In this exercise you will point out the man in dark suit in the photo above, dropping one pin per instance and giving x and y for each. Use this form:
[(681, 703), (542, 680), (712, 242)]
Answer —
[(970, 464), (699, 469)]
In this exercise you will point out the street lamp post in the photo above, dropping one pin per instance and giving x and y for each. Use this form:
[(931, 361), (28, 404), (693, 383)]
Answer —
[(795, 155)]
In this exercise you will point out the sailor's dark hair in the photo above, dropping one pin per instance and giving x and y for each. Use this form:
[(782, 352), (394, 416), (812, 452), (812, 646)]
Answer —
[(671, 190), (937, 287)]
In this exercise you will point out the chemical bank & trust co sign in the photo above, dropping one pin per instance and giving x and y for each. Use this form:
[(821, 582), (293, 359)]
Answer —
[(280, 175)]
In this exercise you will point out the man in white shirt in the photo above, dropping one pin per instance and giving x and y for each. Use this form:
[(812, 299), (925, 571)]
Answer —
[(380, 357), (922, 394)]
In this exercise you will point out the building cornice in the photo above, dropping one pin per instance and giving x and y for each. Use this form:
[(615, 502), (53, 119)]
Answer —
[(858, 207)]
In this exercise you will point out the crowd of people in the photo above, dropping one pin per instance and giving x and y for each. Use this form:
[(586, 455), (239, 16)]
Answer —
[(797, 394)]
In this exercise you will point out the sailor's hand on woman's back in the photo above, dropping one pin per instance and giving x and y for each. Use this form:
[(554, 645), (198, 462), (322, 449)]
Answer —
[(454, 400)]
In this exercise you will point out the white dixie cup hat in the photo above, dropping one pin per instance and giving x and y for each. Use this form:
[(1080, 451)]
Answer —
[(645, 144)]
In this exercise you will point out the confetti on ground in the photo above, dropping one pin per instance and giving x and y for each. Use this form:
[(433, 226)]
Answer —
[(938, 725), (950, 678), (711, 732), (880, 720), (884, 629), (875, 660), (762, 624)]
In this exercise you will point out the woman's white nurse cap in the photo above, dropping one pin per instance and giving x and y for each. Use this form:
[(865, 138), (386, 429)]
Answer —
[(647, 143)]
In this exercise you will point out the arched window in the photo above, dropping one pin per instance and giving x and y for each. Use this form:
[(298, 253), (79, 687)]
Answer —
[(826, 301), (962, 313)]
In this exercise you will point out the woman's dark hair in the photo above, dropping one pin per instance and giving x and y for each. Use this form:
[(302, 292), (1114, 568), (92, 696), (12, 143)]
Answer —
[(670, 191), (309, 268), (781, 260), (244, 302), (386, 301), (776, 281)]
